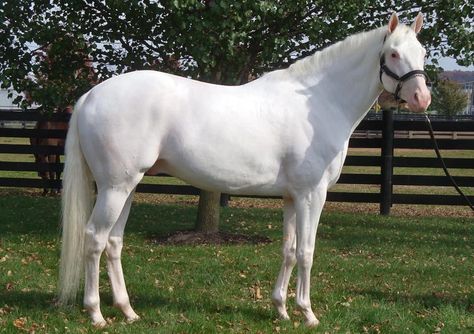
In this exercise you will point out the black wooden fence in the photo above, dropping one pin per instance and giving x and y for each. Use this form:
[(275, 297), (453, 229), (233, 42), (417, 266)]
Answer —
[(17, 165)]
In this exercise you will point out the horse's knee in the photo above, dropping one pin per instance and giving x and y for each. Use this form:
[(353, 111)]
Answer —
[(304, 258), (94, 244), (114, 248), (289, 256)]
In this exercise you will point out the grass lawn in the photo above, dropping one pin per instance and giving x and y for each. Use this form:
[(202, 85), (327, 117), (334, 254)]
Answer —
[(371, 274)]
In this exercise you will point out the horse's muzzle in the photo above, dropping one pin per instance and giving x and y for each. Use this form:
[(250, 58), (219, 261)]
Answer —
[(420, 100), (417, 94)]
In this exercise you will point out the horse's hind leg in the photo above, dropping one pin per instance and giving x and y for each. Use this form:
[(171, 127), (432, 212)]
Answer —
[(107, 210), (114, 264), (289, 259)]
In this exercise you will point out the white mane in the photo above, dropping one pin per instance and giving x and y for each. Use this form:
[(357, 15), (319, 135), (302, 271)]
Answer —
[(342, 49)]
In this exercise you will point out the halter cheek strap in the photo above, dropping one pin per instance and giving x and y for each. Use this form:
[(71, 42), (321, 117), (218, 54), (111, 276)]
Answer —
[(402, 79)]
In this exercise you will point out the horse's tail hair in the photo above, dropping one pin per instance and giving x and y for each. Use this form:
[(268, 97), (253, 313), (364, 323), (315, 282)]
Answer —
[(77, 203)]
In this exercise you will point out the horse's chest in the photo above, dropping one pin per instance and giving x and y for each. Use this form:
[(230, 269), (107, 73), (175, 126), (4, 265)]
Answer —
[(319, 167)]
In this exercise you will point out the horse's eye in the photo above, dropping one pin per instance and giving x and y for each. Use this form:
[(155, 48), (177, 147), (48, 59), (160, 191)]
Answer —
[(394, 55)]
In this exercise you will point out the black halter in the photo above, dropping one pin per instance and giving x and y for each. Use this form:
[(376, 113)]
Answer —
[(402, 79)]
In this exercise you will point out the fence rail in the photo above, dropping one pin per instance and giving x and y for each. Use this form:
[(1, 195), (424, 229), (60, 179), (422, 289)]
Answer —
[(17, 158)]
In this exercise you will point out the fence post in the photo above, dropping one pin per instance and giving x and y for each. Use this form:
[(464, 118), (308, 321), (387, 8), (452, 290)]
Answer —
[(386, 186)]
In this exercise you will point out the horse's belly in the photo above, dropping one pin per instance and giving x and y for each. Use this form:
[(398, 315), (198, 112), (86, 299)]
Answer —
[(238, 179)]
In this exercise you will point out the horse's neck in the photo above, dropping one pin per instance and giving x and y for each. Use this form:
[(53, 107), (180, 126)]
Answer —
[(349, 83)]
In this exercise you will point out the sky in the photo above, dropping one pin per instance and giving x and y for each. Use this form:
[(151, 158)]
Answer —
[(449, 64)]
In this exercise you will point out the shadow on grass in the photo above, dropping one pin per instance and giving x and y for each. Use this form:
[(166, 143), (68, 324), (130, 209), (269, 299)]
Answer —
[(41, 216), (206, 305), (28, 300), (433, 300), (347, 229), (29, 215), (46, 302)]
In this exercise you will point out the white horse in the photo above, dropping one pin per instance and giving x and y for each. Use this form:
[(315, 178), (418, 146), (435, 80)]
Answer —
[(285, 133)]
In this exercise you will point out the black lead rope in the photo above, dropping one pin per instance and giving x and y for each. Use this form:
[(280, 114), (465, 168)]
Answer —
[(443, 164)]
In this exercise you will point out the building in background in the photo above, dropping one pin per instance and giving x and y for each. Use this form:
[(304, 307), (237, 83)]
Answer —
[(469, 89), (6, 103)]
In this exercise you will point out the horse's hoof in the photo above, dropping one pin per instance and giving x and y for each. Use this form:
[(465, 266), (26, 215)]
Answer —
[(312, 323), (100, 323), (133, 318), (284, 316)]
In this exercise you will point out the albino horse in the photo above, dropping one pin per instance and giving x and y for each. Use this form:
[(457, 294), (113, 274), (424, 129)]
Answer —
[(285, 133)]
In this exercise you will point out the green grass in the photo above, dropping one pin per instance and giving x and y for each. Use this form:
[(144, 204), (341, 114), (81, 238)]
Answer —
[(371, 274)]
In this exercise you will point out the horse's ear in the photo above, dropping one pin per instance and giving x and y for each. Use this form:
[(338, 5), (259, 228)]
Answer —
[(416, 26), (393, 22)]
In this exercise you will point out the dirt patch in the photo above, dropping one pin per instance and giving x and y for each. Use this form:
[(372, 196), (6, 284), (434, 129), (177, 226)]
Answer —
[(219, 238)]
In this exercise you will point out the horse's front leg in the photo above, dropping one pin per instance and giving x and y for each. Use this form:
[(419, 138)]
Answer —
[(308, 211), (289, 258)]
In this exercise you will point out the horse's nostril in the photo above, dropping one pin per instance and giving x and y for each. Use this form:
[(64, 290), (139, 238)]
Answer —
[(417, 98)]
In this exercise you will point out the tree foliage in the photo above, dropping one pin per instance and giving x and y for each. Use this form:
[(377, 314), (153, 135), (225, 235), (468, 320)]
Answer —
[(449, 98), (219, 41)]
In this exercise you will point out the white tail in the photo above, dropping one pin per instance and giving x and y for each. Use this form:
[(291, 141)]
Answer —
[(77, 201)]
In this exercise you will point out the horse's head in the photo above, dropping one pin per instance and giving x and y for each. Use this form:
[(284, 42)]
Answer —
[(402, 62)]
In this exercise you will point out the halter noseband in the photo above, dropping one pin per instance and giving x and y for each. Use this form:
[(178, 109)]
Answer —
[(400, 80)]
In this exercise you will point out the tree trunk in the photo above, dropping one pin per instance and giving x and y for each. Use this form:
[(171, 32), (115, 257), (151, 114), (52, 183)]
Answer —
[(208, 212)]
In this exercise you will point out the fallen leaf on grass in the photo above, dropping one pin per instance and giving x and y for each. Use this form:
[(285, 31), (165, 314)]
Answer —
[(19, 323), (439, 327), (296, 313), (183, 319), (375, 328), (256, 292)]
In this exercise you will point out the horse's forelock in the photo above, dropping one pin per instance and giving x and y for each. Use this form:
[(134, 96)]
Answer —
[(398, 36)]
